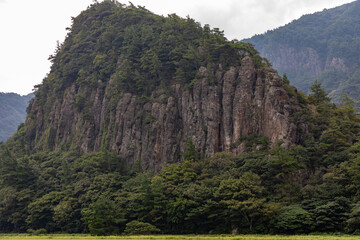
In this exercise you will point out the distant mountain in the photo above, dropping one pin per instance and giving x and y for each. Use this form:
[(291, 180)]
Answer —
[(323, 46), (12, 112)]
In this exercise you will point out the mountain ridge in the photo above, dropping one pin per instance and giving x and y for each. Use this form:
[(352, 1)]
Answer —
[(322, 46), (12, 112)]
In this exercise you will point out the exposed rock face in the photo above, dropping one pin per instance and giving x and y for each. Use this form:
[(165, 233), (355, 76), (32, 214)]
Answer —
[(303, 63), (215, 112), (337, 64), (303, 66), (299, 62)]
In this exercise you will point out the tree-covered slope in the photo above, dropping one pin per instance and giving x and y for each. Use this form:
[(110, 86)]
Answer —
[(150, 124), (324, 46), (12, 113)]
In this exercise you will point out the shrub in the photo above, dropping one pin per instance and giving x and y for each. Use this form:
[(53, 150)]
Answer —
[(137, 227), (37, 231), (293, 219)]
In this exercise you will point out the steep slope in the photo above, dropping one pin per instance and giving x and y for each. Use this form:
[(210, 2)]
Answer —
[(12, 112), (141, 85), (324, 46)]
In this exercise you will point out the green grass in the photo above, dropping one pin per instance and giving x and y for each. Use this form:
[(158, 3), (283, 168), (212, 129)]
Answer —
[(179, 237)]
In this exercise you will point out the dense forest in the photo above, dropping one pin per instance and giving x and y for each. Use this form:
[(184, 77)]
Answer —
[(323, 46), (312, 185), (12, 113)]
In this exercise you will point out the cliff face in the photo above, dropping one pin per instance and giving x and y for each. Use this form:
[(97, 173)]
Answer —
[(213, 114)]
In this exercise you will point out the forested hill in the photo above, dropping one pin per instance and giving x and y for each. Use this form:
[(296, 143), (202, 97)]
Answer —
[(130, 81), (12, 113), (324, 46), (150, 124)]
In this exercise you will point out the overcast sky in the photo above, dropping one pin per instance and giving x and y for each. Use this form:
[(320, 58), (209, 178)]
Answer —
[(30, 29)]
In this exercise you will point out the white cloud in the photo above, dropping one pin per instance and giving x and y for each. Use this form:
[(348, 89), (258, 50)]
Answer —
[(242, 19), (29, 31)]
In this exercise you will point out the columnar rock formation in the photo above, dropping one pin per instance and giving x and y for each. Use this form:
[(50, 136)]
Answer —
[(215, 113)]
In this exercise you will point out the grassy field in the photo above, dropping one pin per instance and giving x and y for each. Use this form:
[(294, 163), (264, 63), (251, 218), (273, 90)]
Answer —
[(179, 237)]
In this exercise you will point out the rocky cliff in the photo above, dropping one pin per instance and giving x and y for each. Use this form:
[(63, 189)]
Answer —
[(230, 96), (242, 101)]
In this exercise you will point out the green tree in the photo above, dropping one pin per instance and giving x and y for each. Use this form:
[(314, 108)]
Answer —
[(318, 94), (15, 172), (8, 204), (41, 211), (135, 197), (190, 151), (103, 217), (160, 200), (293, 219), (285, 79), (332, 216), (243, 198), (137, 228), (353, 223)]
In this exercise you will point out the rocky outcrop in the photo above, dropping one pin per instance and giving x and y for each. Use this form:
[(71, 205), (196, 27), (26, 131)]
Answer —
[(215, 112), (305, 61)]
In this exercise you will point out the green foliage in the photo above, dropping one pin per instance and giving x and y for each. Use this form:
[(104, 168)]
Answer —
[(138, 228), (41, 211), (354, 218), (190, 151), (285, 79), (253, 142), (103, 217), (293, 219), (332, 216), (40, 231), (242, 197), (318, 95)]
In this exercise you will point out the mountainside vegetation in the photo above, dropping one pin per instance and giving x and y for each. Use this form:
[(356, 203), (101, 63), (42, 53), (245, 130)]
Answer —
[(12, 113), (324, 46), (268, 159)]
